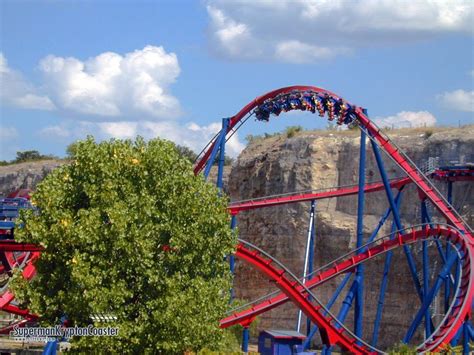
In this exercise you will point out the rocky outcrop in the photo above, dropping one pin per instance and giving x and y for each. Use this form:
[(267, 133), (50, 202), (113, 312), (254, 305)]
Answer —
[(318, 160), (25, 175)]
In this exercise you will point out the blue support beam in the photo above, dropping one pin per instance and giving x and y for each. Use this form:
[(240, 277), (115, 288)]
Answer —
[(439, 247), (326, 351), (396, 216), (220, 140), (220, 171), (426, 285), (450, 192), (331, 302), (449, 282), (470, 330), (347, 303), (50, 348), (383, 286), (386, 183), (426, 273), (467, 333), (429, 298), (349, 274), (455, 340), (447, 286), (359, 299), (233, 224), (245, 340), (465, 338)]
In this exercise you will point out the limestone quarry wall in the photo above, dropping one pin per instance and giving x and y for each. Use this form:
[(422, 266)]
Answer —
[(311, 161), (25, 175)]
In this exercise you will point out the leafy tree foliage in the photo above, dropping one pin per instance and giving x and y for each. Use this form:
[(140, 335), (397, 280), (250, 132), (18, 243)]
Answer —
[(130, 232), (186, 152), (191, 155), (30, 155), (292, 130)]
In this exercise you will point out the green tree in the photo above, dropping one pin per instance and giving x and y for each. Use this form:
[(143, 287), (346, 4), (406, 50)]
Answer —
[(30, 155), (191, 155), (186, 152), (129, 231)]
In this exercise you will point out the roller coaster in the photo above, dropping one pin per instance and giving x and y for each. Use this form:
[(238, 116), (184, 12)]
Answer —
[(437, 247)]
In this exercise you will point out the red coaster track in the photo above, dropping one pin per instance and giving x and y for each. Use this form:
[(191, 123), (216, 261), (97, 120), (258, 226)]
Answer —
[(323, 102), (458, 234)]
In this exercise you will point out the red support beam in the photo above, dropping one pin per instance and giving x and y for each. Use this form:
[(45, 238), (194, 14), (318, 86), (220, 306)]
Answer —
[(235, 208)]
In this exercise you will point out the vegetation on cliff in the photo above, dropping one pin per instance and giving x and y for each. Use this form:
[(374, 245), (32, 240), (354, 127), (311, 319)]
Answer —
[(27, 156)]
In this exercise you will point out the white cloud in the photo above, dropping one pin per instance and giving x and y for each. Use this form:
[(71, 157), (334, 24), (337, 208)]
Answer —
[(34, 102), (407, 119), (135, 84), (235, 39), (459, 100), (191, 135), (319, 29), (119, 129), (298, 52), (114, 85), (55, 132), (7, 133), (15, 90)]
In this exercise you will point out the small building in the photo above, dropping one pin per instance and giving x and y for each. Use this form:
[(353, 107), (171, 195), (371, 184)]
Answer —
[(279, 342)]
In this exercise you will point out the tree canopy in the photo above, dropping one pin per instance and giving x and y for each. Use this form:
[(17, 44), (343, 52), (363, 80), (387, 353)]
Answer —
[(128, 231)]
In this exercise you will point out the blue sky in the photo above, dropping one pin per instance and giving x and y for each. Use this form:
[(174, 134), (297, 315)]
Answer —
[(174, 68)]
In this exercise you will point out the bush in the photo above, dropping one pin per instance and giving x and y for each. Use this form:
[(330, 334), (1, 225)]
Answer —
[(30, 155), (186, 153), (27, 156), (292, 130), (402, 349), (129, 231)]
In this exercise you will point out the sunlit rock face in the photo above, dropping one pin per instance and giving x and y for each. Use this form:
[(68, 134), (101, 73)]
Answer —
[(25, 175), (324, 159)]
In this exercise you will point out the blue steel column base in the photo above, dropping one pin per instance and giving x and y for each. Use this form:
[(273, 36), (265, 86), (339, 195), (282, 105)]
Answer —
[(466, 335), (245, 340), (50, 348)]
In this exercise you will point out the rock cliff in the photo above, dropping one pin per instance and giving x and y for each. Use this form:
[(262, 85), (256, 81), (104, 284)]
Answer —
[(25, 175), (322, 159)]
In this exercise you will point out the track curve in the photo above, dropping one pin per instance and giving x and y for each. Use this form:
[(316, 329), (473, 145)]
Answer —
[(314, 99), (440, 337), (330, 334), (30, 253)]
